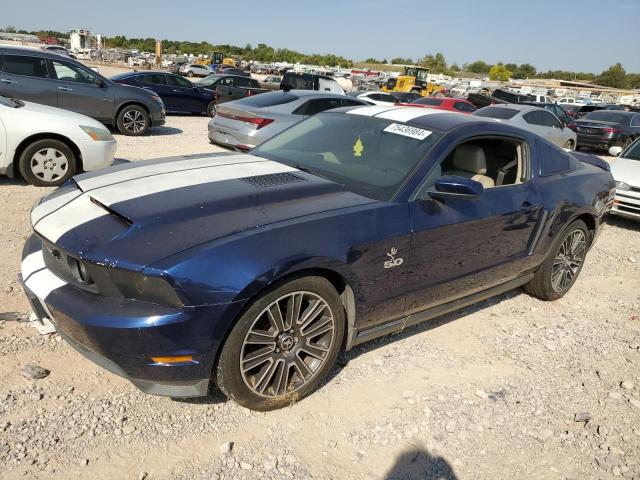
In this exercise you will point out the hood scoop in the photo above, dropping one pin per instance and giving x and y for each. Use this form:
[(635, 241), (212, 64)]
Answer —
[(273, 179)]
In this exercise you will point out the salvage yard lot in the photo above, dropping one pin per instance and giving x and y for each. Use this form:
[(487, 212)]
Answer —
[(491, 391)]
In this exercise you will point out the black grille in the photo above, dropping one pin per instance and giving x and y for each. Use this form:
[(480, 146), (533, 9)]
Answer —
[(273, 179)]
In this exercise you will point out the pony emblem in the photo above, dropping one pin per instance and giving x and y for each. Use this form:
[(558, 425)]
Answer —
[(393, 261)]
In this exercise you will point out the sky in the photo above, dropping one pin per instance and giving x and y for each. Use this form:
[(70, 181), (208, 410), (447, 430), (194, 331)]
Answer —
[(576, 35)]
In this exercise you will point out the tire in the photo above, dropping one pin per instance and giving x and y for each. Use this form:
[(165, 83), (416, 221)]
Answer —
[(565, 259), (189, 73), (272, 375), (211, 109), (626, 143), (47, 163), (568, 144), (133, 121)]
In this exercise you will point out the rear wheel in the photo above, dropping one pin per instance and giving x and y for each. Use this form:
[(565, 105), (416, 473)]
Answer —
[(561, 268), (189, 73), (47, 163), (283, 346), (568, 145)]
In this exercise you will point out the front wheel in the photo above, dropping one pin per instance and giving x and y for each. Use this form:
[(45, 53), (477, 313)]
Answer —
[(133, 120), (189, 74), (561, 268), (283, 346), (211, 109), (47, 163)]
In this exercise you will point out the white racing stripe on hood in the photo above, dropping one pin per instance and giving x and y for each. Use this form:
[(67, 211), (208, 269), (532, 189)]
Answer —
[(78, 211), (52, 205), (369, 111), (83, 210), (405, 114), (43, 282), (32, 263), (110, 178), (140, 187)]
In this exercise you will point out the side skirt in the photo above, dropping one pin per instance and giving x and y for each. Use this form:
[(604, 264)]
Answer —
[(397, 326)]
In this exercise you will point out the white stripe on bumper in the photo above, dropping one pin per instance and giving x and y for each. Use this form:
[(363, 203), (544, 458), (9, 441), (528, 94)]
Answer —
[(38, 278), (31, 264)]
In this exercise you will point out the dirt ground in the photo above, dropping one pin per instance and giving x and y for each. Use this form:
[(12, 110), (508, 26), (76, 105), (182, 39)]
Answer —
[(510, 388)]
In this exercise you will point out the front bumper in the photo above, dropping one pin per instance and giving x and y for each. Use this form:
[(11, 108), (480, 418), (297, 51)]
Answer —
[(121, 335), (627, 204), (158, 117), (97, 155)]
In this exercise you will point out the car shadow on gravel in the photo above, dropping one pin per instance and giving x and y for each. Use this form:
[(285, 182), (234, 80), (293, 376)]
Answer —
[(153, 132), (6, 181), (420, 465), (624, 223)]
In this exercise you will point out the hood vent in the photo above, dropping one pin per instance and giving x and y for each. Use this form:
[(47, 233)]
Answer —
[(273, 180)]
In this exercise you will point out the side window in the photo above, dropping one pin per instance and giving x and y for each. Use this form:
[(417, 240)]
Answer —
[(176, 81), (494, 162), (24, 65), (254, 83), (635, 121), (532, 118), (226, 82), (350, 103), (243, 82), (549, 120), (553, 159), (153, 79), (463, 107), (72, 73), (318, 105)]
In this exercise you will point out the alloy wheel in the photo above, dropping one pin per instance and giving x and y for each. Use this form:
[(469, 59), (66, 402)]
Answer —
[(133, 121), (211, 109), (287, 344), (568, 261), (49, 164)]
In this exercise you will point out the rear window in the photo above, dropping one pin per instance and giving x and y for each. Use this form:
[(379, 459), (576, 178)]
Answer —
[(609, 116), (501, 113), (268, 99), (428, 101)]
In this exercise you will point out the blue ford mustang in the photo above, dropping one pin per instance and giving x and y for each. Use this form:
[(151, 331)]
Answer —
[(252, 272)]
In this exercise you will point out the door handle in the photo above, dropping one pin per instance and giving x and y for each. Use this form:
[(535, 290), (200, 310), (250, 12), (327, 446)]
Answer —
[(6, 80), (176, 91), (65, 89)]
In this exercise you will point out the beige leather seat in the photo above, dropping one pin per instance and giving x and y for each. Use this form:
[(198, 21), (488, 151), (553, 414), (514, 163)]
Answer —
[(469, 161)]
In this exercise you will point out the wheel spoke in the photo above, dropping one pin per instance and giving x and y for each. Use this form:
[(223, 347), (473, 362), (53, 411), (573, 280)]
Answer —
[(303, 369), (275, 317), (323, 325), (256, 358), (314, 350), (267, 376), (293, 309), (311, 313)]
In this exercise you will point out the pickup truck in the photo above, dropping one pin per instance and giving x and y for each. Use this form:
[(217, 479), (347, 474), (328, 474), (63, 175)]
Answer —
[(231, 87), (498, 96)]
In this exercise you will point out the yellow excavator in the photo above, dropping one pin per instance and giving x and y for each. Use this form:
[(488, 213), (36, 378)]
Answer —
[(216, 58), (413, 79)]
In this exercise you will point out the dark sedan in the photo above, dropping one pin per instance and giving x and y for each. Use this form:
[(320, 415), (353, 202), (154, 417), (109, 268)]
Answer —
[(253, 271), (603, 129), (178, 94)]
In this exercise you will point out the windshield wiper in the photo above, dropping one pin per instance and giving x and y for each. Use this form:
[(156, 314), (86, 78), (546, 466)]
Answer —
[(308, 170)]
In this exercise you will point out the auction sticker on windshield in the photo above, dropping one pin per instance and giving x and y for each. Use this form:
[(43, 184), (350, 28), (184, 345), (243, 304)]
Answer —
[(407, 131)]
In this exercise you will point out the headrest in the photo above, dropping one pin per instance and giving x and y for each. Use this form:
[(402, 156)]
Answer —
[(470, 158)]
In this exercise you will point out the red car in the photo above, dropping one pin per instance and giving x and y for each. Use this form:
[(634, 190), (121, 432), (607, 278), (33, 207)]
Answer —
[(444, 103)]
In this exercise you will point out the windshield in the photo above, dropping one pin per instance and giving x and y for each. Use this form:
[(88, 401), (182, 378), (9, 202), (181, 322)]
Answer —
[(367, 155), (609, 116), (633, 152)]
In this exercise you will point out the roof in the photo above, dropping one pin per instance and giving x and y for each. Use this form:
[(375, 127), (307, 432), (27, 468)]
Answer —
[(417, 116), (521, 107)]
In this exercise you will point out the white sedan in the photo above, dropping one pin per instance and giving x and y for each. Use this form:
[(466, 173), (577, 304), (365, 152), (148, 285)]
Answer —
[(47, 145), (626, 172)]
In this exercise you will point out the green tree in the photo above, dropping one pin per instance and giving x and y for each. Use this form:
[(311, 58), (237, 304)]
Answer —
[(500, 73), (478, 67), (10, 29), (614, 76), (524, 70), (454, 67), (435, 63), (401, 61)]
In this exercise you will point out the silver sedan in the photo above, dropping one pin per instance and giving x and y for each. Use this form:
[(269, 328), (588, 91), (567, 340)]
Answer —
[(246, 123), (534, 119)]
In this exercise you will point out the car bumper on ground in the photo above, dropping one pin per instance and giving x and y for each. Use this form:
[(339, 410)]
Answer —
[(122, 335), (97, 154), (627, 204)]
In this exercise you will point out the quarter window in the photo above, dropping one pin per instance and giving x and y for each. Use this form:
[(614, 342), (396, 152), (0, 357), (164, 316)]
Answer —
[(24, 65)]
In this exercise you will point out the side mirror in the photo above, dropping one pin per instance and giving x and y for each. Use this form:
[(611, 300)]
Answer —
[(457, 187), (101, 83), (615, 151)]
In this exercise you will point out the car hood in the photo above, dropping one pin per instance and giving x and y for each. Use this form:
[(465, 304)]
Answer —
[(135, 214), (626, 170)]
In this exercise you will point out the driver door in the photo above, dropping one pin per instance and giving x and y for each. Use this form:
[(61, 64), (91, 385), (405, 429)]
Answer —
[(79, 90)]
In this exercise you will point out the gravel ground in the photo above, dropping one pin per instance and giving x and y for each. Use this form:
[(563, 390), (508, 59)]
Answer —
[(513, 388)]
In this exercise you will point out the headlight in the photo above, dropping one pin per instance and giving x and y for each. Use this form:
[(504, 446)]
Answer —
[(622, 186), (98, 134)]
